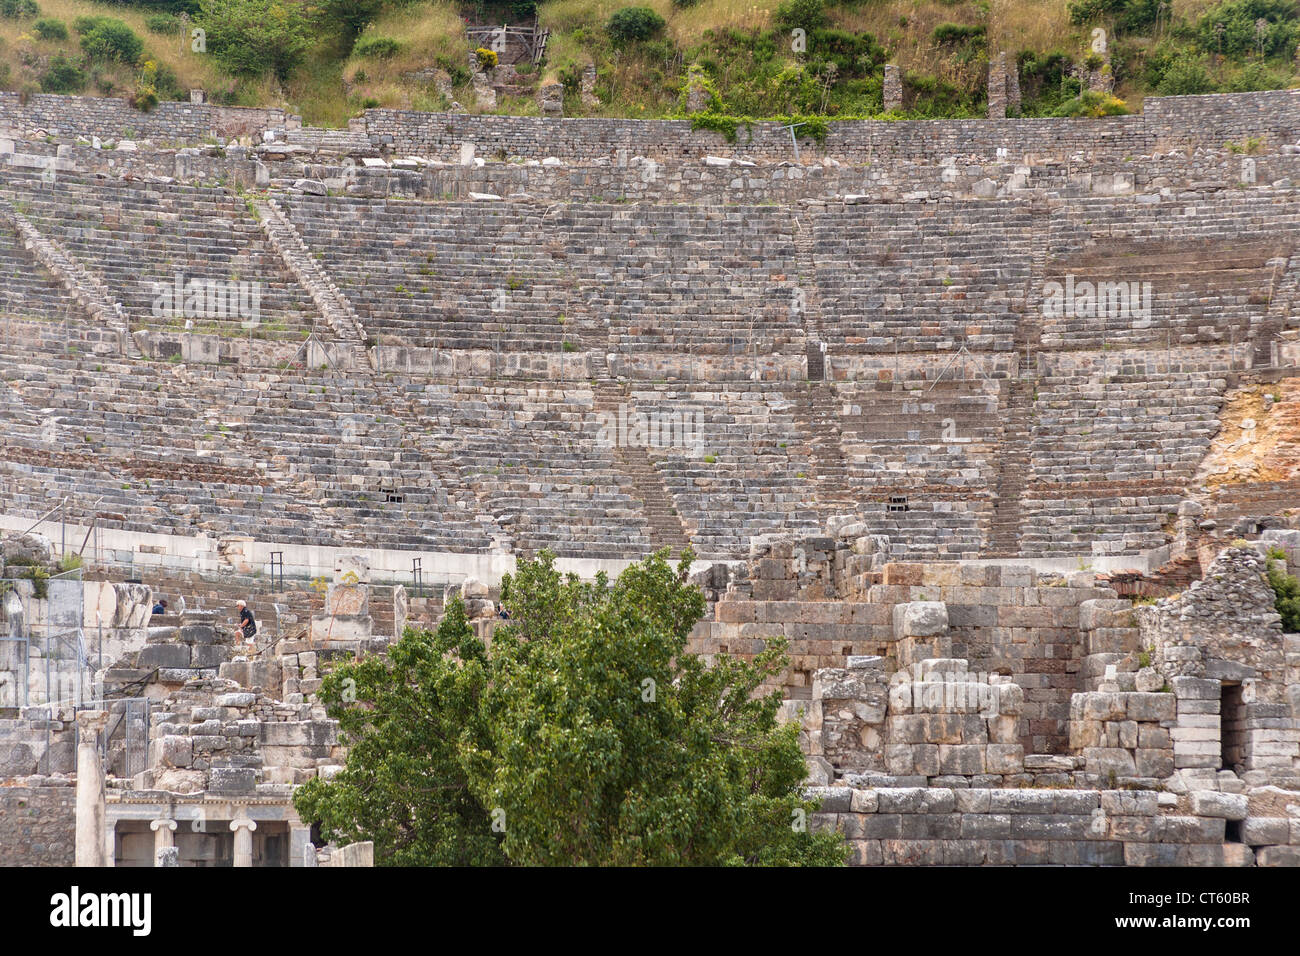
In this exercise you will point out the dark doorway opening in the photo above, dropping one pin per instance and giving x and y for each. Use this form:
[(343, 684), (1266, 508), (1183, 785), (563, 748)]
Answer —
[(1232, 726)]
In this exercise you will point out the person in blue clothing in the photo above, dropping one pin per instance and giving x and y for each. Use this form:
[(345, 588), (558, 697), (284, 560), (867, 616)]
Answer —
[(160, 607)]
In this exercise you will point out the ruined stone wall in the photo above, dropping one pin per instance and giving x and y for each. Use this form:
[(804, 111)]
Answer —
[(972, 827), (112, 118), (836, 597), (37, 826), (1165, 123)]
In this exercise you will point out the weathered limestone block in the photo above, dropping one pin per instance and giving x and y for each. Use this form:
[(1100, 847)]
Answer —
[(1211, 803), (1265, 831), (920, 619), (550, 98), (181, 781), (172, 750)]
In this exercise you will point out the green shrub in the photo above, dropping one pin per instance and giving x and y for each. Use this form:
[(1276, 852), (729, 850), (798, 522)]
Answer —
[(1185, 75), (1092, 103), (957, 33), (1256, 76), (254, 37), (145, 96), (1238, 35), (632, 24), (1287, 595), (164, 24), (63, 76), (19, 9), (1128, 16), (379, 48), (806, 15), (105, 38), (49, 28)]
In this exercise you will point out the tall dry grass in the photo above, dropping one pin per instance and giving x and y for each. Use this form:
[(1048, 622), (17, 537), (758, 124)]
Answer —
[(193, 70)]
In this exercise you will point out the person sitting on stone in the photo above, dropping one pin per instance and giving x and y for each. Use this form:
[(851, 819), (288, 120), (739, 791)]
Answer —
[(247, 626), (160, 607)]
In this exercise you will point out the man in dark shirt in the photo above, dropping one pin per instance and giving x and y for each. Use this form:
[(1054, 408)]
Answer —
[(247, 626), (160, 607)]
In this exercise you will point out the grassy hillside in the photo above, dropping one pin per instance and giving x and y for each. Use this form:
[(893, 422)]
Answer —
[(333, 58)]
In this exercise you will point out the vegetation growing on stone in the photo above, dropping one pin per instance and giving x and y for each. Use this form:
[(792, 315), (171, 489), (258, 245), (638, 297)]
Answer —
[(331, 59), (586, 734)]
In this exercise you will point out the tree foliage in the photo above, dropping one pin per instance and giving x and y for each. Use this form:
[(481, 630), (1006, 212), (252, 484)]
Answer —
[(587, 735), (255, 37), (632, 24), (1286, 589), (107, 38), (406, 720)]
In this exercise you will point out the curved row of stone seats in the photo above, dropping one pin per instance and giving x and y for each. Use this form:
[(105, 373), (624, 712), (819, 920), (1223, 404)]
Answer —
[(300, 456), (151, 452), (28, 290), (138, 238), (1149, 432), (924, 277), (740, 469), (1101, 523), (694, 279), (921, 527), (344, 141), (519, 277), (445, 275), (186, 449), (945, 436), (1213, 268), (534, 458)]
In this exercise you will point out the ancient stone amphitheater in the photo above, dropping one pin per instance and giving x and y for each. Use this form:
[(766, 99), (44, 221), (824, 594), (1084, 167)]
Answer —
[(1005, 408)]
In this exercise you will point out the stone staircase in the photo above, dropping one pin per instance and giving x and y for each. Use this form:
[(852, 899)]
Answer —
[(809, 302), (90, 293), (1016, 407), (1013, 469), (818, 416), (663, 524), (1281, 295), (333, 305)]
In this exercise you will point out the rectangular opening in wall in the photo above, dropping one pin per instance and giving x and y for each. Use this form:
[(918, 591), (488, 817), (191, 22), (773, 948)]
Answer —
[(1232, 724)]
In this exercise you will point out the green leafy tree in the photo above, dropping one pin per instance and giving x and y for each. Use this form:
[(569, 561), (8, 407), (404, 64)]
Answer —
[(254, 37), (588, 735), (404, 719)]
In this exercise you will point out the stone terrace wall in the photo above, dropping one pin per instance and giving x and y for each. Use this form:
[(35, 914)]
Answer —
[(1166, 123), (37, 826), (115, 118)]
